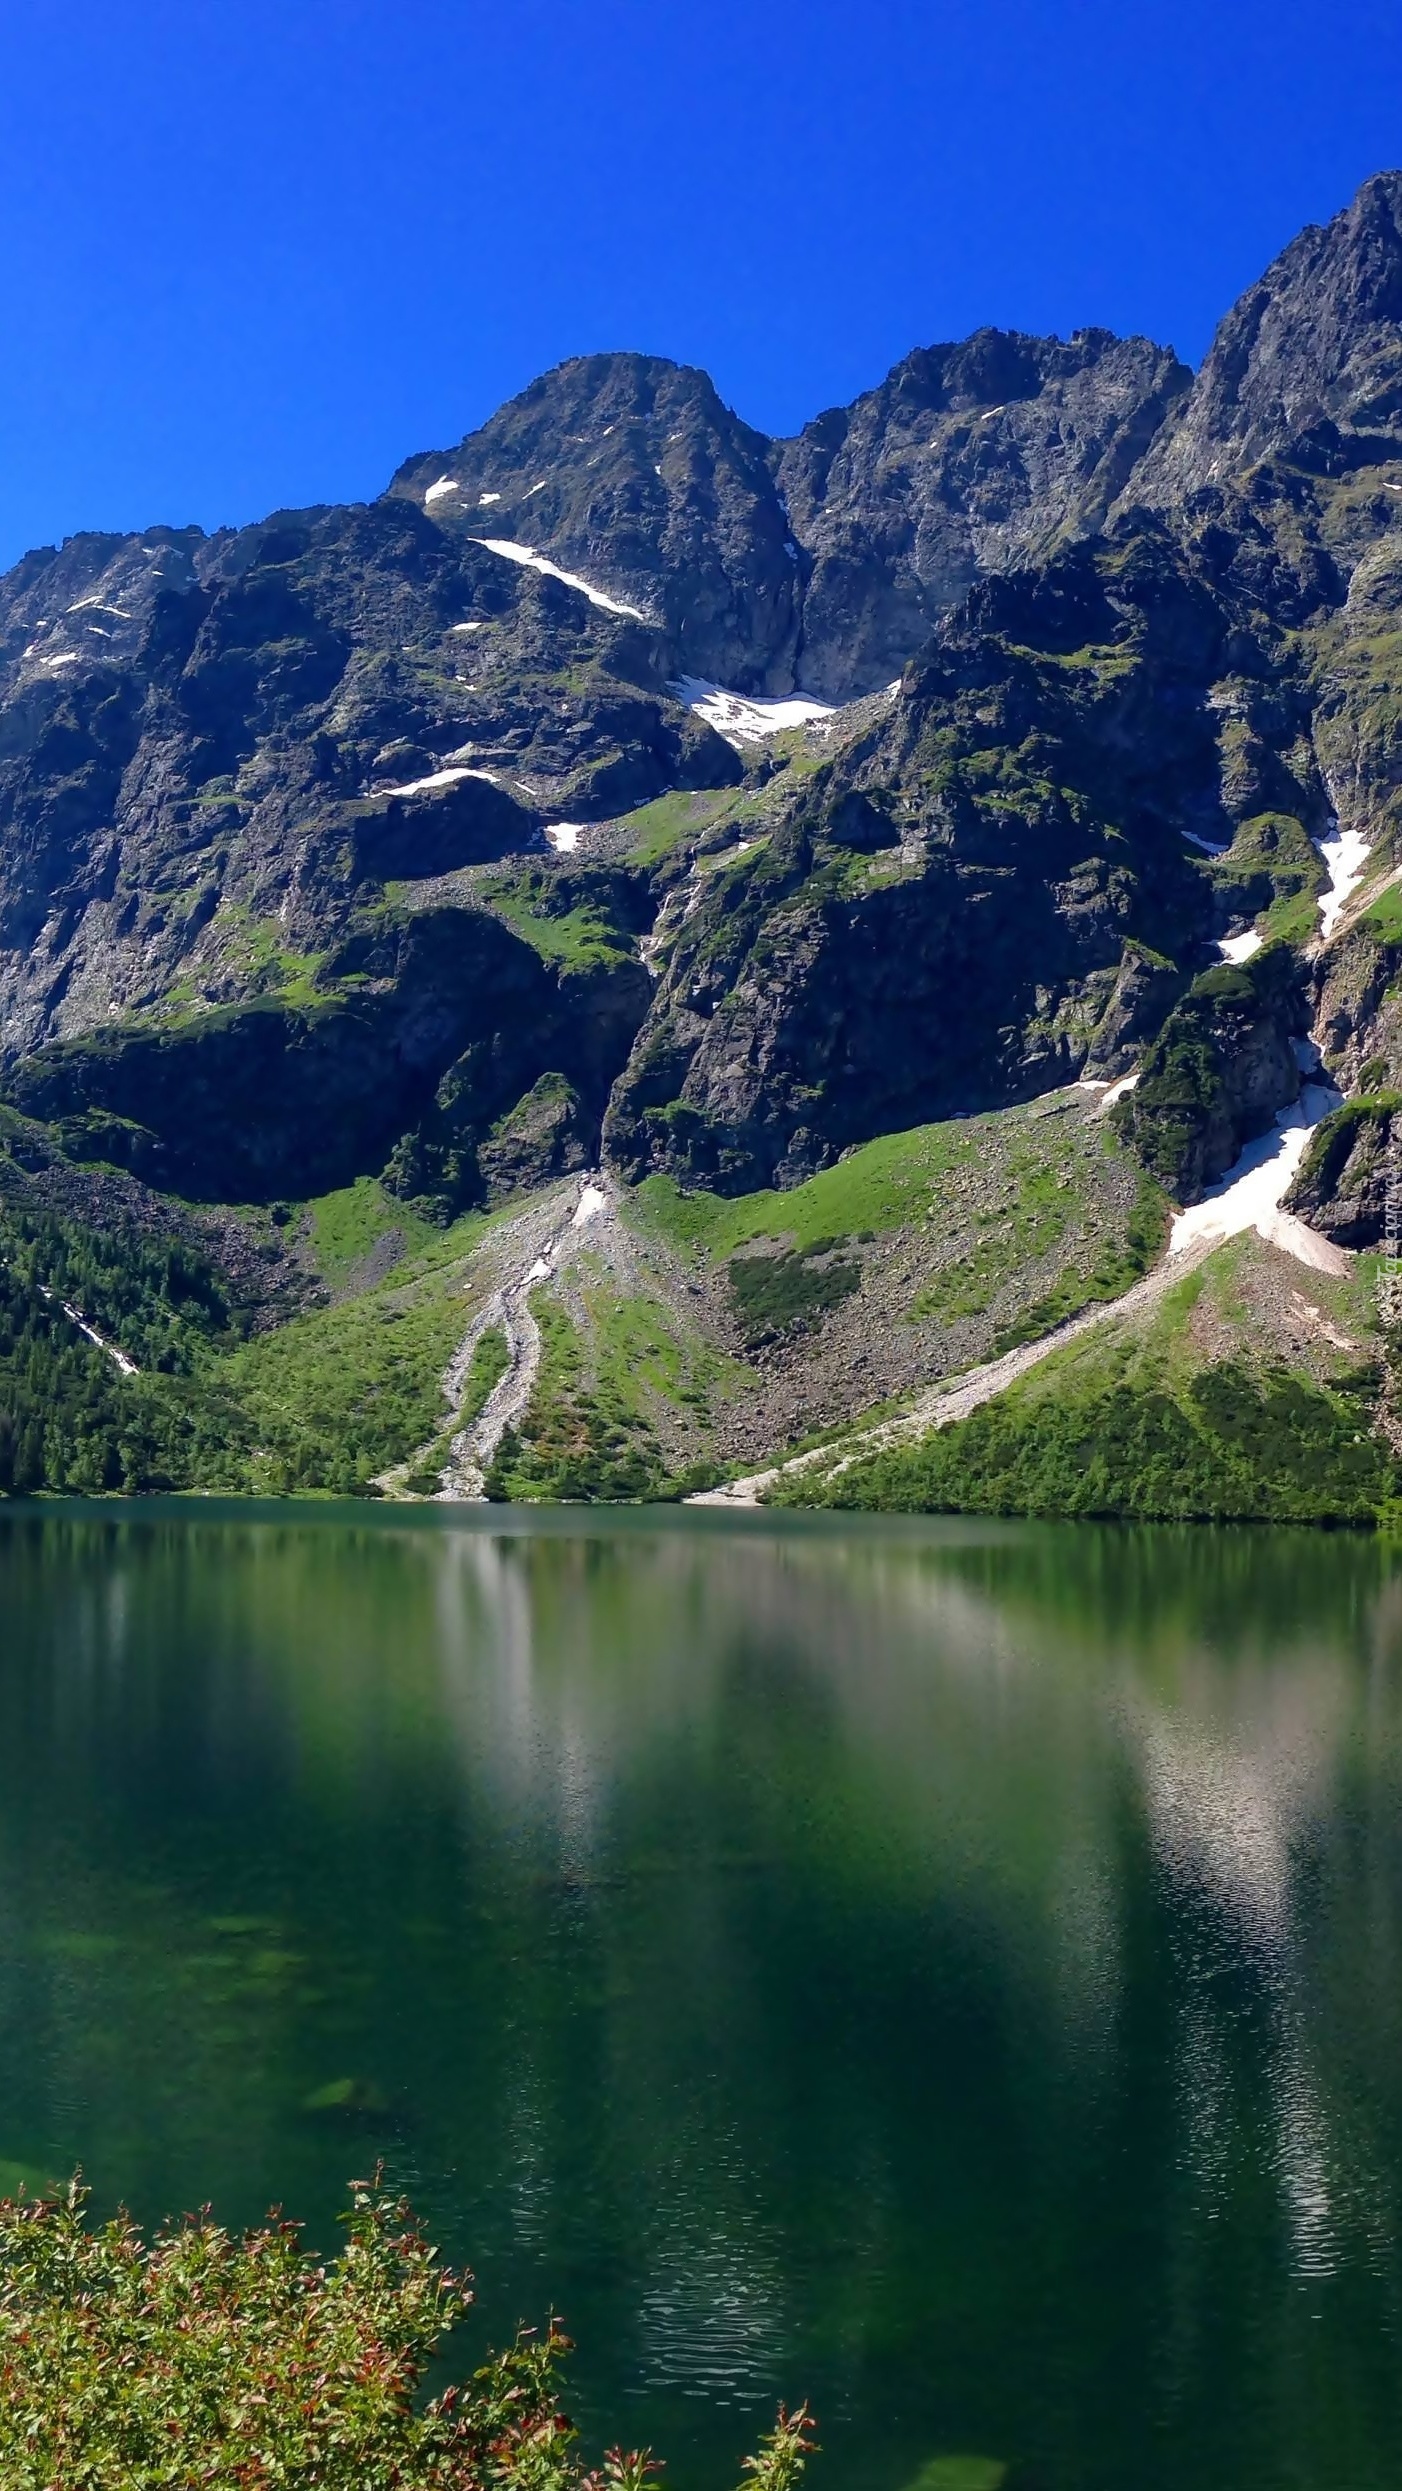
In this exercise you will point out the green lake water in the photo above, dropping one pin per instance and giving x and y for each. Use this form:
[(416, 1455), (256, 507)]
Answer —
[(953, 1972)]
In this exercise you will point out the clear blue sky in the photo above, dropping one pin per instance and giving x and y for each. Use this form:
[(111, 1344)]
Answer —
[(256, 251)]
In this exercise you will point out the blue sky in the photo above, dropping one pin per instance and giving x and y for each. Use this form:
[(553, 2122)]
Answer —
[(255, 254)]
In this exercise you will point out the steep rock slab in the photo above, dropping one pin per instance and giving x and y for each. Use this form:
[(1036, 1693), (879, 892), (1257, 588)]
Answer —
[(1310, 357), (967, 459)]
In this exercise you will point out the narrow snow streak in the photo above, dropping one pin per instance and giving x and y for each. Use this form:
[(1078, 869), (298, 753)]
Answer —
[(527, 555), (1345, 854), (743, 717), (439, 778), (90, 1331), (1251, 1192), (118, 1356)]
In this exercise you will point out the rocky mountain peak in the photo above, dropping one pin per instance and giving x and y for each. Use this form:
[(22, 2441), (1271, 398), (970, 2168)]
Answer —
[(1315, 346), (630, 472)]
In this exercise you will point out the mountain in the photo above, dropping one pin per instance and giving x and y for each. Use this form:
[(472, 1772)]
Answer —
[(1307, 366), (625, 787), (967, 460)]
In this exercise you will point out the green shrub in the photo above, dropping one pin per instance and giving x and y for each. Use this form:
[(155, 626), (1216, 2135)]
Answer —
[(774, 1292), (202, 2357), (1226, 1446)]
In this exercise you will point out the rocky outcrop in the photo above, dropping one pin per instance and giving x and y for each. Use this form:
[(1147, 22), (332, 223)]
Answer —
[(1342, 1186), (446, 1019), (1308, 363), (1224, 1064)]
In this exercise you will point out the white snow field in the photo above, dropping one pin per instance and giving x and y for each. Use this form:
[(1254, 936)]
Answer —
[(591, 1202), (563, 836), (533, 561), (743, 717), (1250, 1194), (1345, 854), (1239, 947)]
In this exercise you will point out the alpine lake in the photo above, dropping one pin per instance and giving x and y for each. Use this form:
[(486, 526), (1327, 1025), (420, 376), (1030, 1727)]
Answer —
[(951, 1972)]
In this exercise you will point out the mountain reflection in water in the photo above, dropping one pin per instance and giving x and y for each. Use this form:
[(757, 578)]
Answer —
[(948, 1971)]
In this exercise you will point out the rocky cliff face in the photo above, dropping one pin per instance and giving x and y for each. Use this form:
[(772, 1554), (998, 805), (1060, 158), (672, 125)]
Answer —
[(1005, 881), (368, 838), (822, 562), (967, 460)]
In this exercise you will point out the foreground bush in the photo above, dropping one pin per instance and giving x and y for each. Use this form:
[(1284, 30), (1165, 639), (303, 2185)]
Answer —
[(201, 2358)]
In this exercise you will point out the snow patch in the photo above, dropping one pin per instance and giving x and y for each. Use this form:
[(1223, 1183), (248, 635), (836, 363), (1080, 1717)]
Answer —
[(1251, 1192), (1239, 947), (468, 627), (1112, 1089), (563, 836), (526, 554), (445, 484), (742, 717), (1116, 1089), (439, 778), (540, 1270), (66, 657), (592, 1201), (1346, 855), (1209, 847), (538, 488), (484, 498)]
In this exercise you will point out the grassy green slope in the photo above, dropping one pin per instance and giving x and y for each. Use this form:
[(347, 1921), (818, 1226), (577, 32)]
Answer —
[(1021, 1217), (1252, 1389)]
